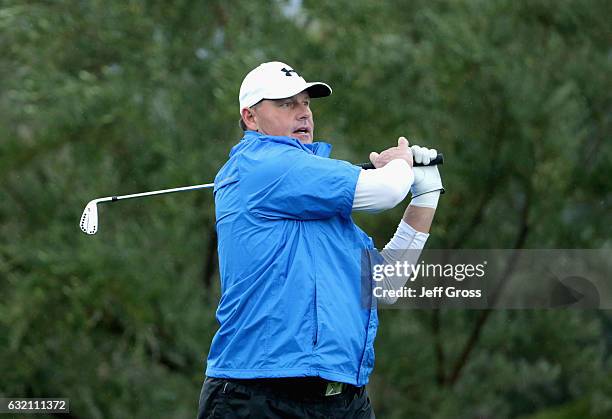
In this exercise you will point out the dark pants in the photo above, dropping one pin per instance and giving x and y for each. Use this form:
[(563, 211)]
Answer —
[(280, 398)]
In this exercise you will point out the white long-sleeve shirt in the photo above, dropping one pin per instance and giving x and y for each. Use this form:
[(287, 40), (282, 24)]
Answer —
[(384, 188), (406, 245), (381, 189)]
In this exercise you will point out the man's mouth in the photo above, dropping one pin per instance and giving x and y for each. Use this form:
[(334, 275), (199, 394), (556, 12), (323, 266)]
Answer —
[(303, 130)]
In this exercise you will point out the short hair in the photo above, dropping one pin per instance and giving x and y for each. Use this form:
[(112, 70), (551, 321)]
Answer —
[(241, 122)]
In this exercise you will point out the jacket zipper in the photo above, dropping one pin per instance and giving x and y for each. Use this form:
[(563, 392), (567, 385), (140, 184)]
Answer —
[(314, 316), (365, 344)]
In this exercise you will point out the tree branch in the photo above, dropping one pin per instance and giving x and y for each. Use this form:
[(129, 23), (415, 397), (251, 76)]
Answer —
[(438, 348), (485, 314)]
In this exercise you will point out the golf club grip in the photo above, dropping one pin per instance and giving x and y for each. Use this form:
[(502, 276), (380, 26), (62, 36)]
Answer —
[(438, 160)]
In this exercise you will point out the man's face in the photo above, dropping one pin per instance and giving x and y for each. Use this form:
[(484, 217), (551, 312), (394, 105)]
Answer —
[(290, 117)]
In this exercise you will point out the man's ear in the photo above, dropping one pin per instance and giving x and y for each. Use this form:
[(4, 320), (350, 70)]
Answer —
[(249, 118)]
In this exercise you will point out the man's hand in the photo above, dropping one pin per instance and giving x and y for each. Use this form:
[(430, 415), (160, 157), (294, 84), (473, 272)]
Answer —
[(427, 181), (423, 155), (426, 190), (402, 151)]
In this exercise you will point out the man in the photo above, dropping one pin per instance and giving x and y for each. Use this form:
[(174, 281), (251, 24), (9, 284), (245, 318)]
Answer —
[(294, 338)]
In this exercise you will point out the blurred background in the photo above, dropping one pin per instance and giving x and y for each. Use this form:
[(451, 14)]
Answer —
[(102, 98)]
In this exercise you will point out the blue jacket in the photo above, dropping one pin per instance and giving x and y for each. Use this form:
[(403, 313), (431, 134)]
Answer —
[(290, 260)]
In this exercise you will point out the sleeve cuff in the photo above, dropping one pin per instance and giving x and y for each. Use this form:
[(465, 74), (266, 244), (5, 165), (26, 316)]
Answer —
[(406, 237)]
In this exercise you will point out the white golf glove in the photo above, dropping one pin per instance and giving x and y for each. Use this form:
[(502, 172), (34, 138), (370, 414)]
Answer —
[(427, 184)]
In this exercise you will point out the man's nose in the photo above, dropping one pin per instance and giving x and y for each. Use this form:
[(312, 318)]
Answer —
[(304, 112)]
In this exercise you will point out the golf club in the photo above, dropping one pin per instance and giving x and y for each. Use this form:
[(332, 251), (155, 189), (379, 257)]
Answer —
[(89, 219)]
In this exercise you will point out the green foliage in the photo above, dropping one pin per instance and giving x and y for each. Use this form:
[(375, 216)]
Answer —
[(111, 97)]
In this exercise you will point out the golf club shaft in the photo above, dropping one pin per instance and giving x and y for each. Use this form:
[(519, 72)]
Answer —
[(160, 192)]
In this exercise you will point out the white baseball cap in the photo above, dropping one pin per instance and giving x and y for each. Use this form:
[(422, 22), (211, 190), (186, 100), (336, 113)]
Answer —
[(276, 80)]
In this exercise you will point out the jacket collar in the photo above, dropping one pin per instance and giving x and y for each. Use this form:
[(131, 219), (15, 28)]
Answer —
[(318, 148)]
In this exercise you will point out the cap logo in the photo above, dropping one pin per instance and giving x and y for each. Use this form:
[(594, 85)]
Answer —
[(288, 72)]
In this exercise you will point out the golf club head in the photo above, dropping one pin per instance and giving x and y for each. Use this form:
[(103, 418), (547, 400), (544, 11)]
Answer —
[(89, 219)]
